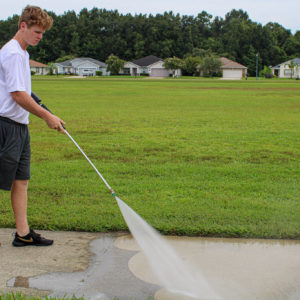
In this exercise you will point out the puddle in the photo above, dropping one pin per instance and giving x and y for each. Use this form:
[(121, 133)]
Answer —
[(106, 278), (237, 269), (21, 281)]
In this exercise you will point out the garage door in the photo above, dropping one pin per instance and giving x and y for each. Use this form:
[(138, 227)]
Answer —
[(159, 72), (232, 73), (87, 71)]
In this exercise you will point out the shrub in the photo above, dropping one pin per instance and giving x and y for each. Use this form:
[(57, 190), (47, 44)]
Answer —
[(217, 74), (98, 73), (269, 75), (32, 72), (266, 72)]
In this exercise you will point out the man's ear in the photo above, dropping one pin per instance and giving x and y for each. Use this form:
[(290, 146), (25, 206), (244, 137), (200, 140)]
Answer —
[(23, 26)]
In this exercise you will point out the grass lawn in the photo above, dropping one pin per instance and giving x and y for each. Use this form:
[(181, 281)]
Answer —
[(191, 156)]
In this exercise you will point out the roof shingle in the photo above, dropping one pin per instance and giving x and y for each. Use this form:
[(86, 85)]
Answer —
[(147, 61), (68, 63), (230, 64), (34, 63)]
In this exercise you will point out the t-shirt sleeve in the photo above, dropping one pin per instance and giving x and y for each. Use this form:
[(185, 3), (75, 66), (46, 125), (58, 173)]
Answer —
[(14, 73)]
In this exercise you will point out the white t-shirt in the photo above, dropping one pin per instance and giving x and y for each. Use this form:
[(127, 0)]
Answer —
[(14, 76)]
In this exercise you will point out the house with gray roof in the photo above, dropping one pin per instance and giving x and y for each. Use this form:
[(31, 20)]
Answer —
[(284, 71), (82, 66), (149, 65)]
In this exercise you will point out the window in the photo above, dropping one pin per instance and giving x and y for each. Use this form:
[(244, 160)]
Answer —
[(126, 70), (288, 72)]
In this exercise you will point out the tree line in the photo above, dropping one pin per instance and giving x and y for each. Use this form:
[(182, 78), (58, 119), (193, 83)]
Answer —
[(97, 33)]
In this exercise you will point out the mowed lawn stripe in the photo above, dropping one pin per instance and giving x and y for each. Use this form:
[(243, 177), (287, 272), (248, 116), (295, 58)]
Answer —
[(191, 156)]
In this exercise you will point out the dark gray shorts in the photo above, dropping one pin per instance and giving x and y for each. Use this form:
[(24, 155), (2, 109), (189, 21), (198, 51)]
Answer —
[(14, 153)]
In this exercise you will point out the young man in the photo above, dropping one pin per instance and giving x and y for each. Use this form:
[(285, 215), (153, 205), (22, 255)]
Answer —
[(15, 105)]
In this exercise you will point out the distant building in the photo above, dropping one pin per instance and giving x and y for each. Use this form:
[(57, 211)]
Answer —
[(82, 66), (38, 68), (232, 69), (149, 65), (284, 71)]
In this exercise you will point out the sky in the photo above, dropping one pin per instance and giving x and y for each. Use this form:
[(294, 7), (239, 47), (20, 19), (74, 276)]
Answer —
[(285, 12)]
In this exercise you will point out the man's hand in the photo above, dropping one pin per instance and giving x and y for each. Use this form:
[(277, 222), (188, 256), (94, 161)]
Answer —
[(55, 122)]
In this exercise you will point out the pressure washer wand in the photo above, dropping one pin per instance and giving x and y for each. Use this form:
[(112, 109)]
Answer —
[(39, 102), (103, 179)]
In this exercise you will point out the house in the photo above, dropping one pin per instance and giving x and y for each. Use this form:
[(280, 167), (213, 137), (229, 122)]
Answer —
[(82, 66), (284, 71), (232, 69), (131, 68), (149, 65), (38, 68)]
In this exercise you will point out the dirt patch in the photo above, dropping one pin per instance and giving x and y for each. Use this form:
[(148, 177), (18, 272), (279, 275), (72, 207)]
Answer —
[(237, 88), (74, 77)]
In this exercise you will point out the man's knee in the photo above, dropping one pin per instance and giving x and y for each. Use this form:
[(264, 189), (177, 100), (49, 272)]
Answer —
[(20, 184)]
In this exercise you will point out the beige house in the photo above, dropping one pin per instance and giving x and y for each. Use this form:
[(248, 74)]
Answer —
[(283, 70), (232, 69), (38, 68)]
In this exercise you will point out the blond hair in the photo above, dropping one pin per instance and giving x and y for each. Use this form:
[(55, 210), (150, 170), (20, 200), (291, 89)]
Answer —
[(34, 15)]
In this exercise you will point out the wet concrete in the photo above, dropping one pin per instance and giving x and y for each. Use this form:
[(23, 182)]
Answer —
[(107, 276), (237, 269), (105, 266)]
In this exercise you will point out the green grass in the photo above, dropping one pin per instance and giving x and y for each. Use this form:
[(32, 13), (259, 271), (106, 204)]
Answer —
[(191, 156), (20, 296)]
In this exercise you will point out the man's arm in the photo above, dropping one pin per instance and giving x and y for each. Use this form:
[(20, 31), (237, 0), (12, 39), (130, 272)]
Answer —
[(25, 100)]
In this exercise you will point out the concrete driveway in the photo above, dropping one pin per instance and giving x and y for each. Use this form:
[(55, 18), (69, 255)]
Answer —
[(111, 266)]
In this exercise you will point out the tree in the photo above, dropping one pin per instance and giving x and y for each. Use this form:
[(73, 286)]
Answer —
[(297, 72), (139, 46), (190, 64), (210, 65), (291, 46), (64, 58), (173, 63), (114, 64), (297, 39), (52, 69), (97, 33), (198, 52), (279, 33), (266, 72), (292, 66), (249, 60)]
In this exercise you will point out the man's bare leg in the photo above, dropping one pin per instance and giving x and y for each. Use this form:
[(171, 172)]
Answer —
[(19, 204)]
